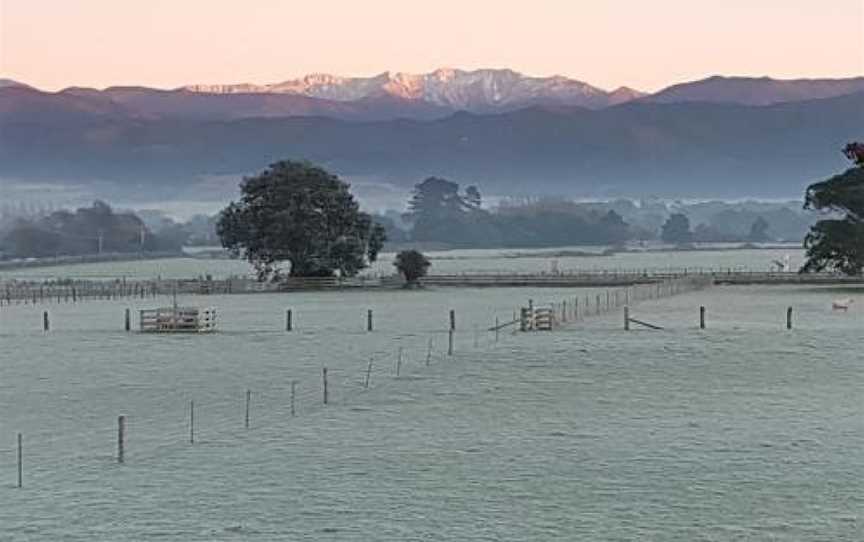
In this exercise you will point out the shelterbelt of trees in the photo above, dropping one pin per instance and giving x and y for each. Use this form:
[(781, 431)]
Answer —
[(440, 212), (299, 214), (86, 231)]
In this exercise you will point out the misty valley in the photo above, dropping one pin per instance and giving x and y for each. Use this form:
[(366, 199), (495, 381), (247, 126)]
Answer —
[(447, 271)]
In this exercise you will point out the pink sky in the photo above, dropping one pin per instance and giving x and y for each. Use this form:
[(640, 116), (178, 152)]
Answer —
[(647, 44)]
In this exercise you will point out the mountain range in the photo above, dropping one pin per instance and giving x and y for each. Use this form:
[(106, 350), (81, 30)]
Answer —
[(390, 96), (479, 91), (725, 136)]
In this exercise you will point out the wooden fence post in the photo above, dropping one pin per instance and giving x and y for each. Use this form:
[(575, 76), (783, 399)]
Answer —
[(293, 393), (191, 422), (450, 343), (289, 317), (20, 462), (369, 326), (789, 318), (626, 318), (324, 376), (452, 319), (248, 400), (128, 320), (368, 373), (399, 362), (121, 439), (702, 317), (46, 324)]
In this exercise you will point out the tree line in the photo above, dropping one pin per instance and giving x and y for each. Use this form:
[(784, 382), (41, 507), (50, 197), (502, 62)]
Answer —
[(88, 230), (299, 213), (439, 213)]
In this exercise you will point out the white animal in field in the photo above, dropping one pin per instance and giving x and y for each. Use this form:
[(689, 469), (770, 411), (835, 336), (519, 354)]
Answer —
[(842, 304)]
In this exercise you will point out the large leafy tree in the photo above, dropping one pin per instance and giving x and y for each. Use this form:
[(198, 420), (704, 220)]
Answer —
[(611, 229), (837, 243), (439, 212), (412, 265), (435, 198), (759, 231), (300, 213), (677, 229)]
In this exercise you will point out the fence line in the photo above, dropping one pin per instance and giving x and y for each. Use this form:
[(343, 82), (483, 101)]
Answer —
[(234, 419), (73, 291)]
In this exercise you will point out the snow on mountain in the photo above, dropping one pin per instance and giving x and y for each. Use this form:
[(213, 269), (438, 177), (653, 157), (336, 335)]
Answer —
[(477, 91)]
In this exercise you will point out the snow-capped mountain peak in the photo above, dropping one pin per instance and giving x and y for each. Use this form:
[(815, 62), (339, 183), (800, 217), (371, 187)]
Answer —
[(477, 90)]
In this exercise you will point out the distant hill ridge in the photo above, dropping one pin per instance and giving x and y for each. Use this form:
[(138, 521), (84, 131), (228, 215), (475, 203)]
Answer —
[(413, 96), (756, 91), (640, 147), (490, 89)]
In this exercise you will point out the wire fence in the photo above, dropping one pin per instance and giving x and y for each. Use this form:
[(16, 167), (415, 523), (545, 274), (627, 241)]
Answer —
[(73, 291), (173, 421)]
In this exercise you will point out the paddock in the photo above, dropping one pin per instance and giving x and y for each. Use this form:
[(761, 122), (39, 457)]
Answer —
[(243, 408)]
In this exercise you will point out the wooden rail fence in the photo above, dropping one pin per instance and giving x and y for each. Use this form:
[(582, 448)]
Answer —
[(73, 291)]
